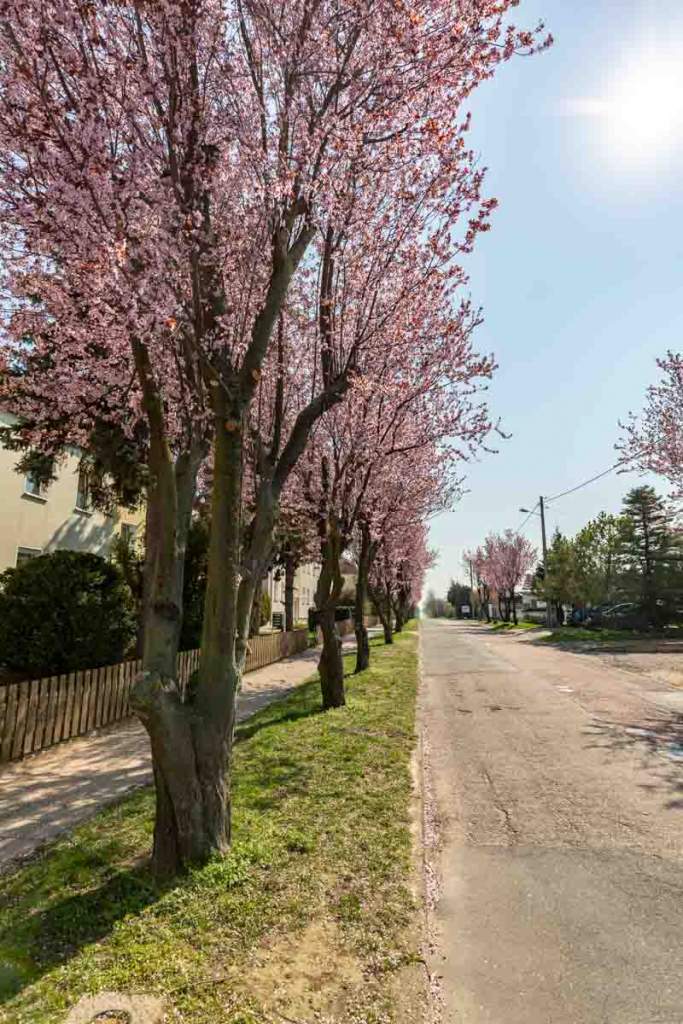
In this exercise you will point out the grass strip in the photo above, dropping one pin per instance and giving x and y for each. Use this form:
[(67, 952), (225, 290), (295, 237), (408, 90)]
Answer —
[(581, 635), (309, 915), (500, 627)]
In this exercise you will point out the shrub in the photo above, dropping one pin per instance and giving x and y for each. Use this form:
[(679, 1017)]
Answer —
[(62, 611)]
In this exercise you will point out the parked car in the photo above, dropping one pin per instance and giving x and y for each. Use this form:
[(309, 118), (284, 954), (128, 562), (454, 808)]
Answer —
[(594, 616), (626, 615)]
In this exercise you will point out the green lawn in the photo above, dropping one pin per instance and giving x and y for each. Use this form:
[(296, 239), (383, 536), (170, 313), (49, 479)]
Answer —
[(499, 627), (310, 914), (579, 634)]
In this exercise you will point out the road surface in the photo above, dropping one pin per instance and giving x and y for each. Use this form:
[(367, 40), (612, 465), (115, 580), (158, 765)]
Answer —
[(557, 827)]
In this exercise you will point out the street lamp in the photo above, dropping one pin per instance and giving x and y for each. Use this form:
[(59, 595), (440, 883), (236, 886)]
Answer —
[(533, 512)]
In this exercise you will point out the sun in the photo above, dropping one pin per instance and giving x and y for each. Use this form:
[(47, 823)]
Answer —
[(643, 109), (637, 116)]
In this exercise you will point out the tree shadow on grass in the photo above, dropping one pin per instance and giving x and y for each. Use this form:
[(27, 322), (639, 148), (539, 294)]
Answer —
[(73, 895), (40, 931), (269, 779), (34, 942), (659, 739), (304, 702)]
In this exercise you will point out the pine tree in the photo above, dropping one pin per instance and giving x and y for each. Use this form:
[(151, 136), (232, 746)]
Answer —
[(648, 548)]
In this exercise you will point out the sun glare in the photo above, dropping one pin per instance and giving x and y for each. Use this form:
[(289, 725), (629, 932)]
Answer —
[(643, 109), (637, 116)]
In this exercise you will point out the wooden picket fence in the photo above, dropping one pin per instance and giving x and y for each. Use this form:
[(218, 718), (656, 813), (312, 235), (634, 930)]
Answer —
[(37, 713)]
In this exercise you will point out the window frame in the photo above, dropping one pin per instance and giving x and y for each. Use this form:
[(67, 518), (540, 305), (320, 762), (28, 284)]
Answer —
[(128, 532), (29, 553), (32, 481), (83, 506)]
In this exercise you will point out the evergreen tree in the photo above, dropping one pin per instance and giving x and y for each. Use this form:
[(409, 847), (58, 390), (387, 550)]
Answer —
[(558, 583), (598, 560), (650, 553)]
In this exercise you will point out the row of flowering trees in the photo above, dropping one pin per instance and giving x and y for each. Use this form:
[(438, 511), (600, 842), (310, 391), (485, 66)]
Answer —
[(497, 569), (231, 238)]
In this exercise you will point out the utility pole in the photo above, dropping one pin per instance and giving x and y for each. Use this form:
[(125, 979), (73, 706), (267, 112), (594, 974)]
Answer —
[(533, 512), (548, 615)]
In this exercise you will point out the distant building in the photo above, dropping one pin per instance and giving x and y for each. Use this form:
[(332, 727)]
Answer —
[(530, 602), (35, 519), (305, 582)]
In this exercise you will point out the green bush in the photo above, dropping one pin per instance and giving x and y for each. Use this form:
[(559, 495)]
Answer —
[(63, 611)]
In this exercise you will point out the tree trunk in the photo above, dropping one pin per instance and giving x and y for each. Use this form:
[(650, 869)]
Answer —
[(157, 696), (328, 591), (362, 641), (384, 612), (191, 731), (331, 664), (152, 530), (362, 646), (514, 608), (190, 757), (290, 572), (256, 608)]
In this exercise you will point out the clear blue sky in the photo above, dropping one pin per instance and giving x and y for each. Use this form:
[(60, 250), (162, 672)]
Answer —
[(581, 276)]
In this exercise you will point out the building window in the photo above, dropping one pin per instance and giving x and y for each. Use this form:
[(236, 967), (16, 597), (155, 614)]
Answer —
[(83, 491), (33, 485), (24, 554), (128, 531)]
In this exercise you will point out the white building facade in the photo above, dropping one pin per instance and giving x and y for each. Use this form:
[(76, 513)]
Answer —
[(305, 582), (35, 519)]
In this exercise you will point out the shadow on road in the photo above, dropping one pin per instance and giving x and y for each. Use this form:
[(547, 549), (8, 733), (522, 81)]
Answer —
[(660, 742)]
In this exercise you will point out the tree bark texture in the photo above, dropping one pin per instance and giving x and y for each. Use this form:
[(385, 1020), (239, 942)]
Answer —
[(157, 697), (191, 727), (328, 591), (255, 614), (362, 641), (383, 607), (331, 663)]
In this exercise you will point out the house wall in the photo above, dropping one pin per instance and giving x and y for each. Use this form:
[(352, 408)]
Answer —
[(305, 581), (52, 520)]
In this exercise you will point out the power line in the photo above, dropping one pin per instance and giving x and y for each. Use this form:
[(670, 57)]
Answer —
[(525, 521), (578, 487), (592, 480)]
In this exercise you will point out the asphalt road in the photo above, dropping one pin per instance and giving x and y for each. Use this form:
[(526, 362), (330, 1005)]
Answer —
[(557, 786)]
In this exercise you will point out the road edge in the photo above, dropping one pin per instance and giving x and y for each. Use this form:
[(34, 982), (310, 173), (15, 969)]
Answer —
[(426, 844)]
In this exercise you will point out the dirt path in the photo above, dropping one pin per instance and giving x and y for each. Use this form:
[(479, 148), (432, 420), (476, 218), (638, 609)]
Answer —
[(558, 795), (57, 788)]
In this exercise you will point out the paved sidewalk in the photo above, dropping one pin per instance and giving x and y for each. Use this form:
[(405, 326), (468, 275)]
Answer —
[(56, 789)]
